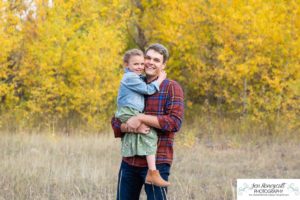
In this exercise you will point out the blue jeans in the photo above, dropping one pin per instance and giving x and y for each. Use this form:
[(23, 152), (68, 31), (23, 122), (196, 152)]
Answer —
[(131, 180)]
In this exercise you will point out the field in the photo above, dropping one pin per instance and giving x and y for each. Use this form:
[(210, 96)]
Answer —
[(85, 167)]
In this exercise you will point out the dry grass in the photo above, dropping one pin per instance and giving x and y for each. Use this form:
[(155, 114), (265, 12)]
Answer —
[(77, 167)]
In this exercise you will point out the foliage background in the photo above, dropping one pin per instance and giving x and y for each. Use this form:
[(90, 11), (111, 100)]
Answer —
[(60, 60)]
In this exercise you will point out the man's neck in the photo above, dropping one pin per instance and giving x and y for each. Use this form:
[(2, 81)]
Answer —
[(151, 78)]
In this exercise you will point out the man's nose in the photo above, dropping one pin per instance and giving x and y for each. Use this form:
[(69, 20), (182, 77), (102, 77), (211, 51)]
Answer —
[(151, 62)]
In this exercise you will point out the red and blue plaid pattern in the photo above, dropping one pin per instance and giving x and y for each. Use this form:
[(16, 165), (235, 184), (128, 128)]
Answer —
[(168, 106)]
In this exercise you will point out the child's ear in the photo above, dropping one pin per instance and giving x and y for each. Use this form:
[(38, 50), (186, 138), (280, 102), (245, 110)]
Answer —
[(125, 64)]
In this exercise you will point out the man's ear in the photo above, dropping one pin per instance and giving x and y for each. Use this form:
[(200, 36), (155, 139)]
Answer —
[(163, 65)]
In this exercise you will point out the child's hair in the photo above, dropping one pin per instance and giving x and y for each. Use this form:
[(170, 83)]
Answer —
[(132, 52)]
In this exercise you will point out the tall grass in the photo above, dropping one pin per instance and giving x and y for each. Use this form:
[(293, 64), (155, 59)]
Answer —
[(205, 167)]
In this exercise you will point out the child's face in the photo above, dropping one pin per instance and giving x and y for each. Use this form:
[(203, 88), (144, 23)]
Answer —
[(136, 64)]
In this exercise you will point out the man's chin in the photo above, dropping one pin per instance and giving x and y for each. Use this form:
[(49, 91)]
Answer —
[(151, 76), (150, 73)]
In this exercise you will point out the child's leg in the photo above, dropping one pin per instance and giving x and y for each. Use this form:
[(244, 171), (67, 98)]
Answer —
[(153, 175), (151, 162)]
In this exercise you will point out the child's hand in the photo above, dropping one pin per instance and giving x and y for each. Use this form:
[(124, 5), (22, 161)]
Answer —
[(162, 76)]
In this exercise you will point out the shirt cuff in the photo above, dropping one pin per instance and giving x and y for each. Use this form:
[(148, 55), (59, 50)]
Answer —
[(161, 122)]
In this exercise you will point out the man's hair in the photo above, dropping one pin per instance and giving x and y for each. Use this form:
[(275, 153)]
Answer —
[(132, 52), (160, 49)]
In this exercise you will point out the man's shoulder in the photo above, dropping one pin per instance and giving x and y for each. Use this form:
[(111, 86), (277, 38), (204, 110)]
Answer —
[(172, 83), (174, 89)]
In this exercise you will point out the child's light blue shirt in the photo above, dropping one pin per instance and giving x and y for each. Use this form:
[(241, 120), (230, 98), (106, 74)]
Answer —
[(132, 90)]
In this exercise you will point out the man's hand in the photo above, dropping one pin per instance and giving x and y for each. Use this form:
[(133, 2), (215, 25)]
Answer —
[(143, 128), (133, 124)]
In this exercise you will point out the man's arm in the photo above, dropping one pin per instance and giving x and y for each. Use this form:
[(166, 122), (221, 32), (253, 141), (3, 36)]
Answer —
[(120, 128), (135, 122), (116, 125), (171, 121)]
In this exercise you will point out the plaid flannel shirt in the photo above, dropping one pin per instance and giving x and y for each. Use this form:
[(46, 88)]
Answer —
[(168, 106)]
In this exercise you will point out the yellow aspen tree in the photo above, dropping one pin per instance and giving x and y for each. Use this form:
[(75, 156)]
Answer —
[(71, 64), (240, 56), (10, 37)]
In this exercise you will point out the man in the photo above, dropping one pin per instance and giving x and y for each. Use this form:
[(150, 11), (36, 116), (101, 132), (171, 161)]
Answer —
[(163, 111)]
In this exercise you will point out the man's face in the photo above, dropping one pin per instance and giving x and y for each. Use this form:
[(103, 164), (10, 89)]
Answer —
[(153, 63)]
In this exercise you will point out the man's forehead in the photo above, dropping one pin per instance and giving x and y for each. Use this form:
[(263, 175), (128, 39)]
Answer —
[(154, 54)]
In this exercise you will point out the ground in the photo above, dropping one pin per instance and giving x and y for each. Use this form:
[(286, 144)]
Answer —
[(51, 166)]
